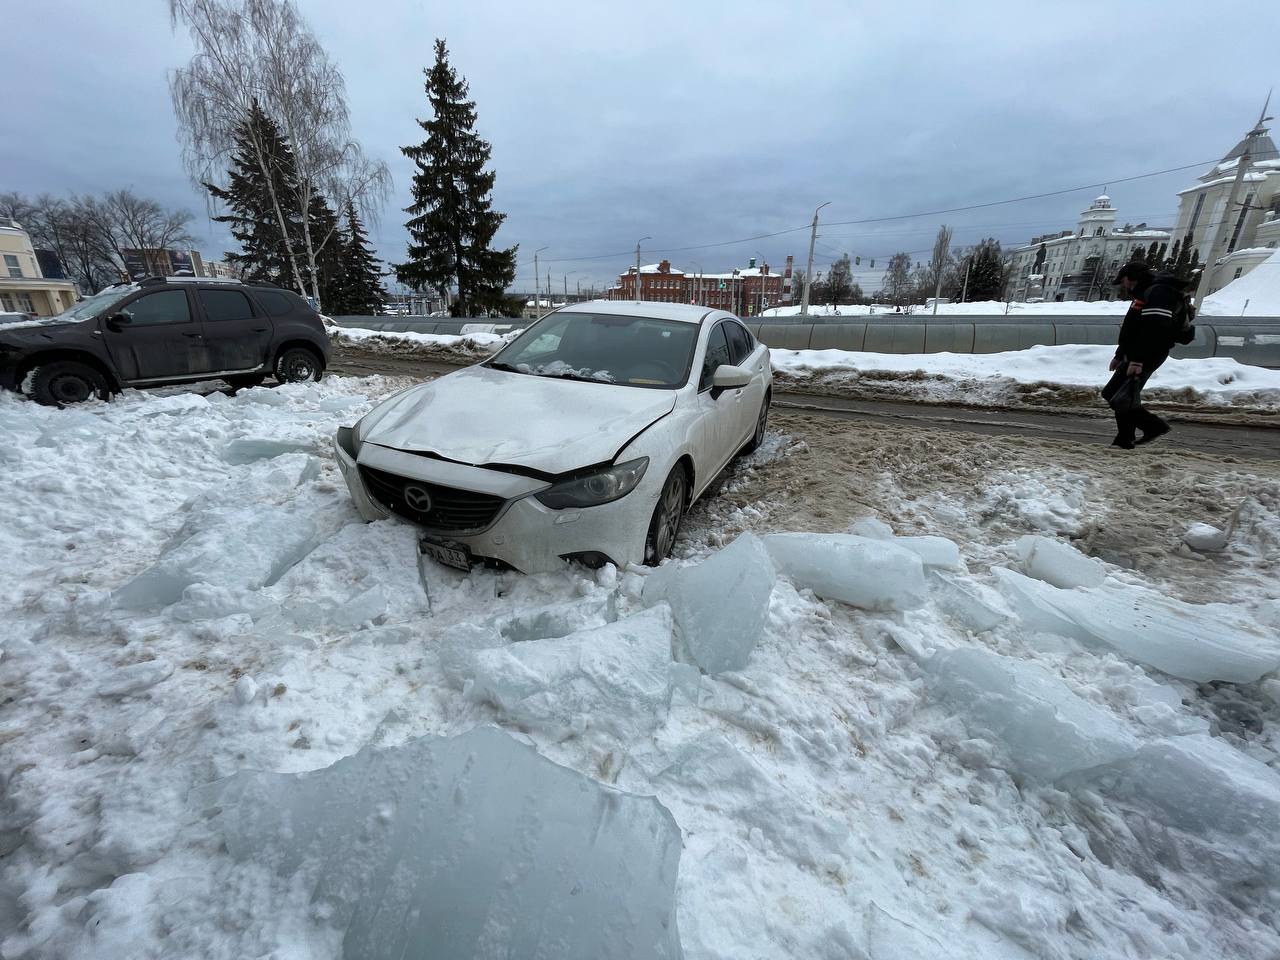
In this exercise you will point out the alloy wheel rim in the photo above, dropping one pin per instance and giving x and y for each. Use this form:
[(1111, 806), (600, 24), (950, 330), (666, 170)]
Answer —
[(669, 522), (299, 370)]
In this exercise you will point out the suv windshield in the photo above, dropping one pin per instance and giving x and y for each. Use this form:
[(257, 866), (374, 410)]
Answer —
[(633, 351), (99, 302)]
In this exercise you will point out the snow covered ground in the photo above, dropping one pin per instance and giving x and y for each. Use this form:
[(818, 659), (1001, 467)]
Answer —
[(1003, 749), (993, 378), (465, 348)]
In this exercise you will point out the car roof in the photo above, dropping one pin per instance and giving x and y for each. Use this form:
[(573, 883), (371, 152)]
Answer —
[(683, 312)]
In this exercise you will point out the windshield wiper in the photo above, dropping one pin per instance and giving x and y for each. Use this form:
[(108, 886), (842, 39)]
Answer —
[(572, 376), (498, 365)]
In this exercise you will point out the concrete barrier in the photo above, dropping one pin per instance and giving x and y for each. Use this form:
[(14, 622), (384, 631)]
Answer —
[(786, 336), (1248, 344), (894, 338), (838, 336), (948, 337)]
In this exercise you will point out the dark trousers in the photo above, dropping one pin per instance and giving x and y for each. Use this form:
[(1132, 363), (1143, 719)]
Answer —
[(1135, 417)]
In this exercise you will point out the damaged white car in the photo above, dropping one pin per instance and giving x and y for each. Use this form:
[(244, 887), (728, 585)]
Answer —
[(587, 438)]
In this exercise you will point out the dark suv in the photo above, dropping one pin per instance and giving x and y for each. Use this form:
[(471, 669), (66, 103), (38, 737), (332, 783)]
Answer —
[(163, 331)]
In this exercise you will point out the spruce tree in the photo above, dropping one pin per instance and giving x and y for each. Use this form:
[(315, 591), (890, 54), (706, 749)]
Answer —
[(328, 240), (362, 292), (453, 222), (251, 210)]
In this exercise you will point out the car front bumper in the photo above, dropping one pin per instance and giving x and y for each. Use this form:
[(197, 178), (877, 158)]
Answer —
[(525, 534)]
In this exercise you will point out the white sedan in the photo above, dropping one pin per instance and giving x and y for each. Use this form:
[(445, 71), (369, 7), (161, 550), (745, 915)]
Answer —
[(587, 438)]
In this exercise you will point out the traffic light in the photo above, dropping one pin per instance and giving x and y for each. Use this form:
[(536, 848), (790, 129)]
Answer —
[(873, 264), (857, 261)]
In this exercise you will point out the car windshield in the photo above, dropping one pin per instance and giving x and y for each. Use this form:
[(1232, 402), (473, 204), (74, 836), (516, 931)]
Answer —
[(632, 351), (92, 306)]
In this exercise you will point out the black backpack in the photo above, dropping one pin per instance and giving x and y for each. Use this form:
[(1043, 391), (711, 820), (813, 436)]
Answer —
[(1182, 325)]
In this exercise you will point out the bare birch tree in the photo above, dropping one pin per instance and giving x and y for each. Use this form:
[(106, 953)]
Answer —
[(263, 51)]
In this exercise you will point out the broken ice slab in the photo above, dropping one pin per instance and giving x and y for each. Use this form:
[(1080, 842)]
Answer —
[(871, 574), (1047, 729), (1200, 783), (465, 847), (721, 605), (248, 449), (614, 679), (933, 551), (1058, 563), (1201, 642), (967, 602), (135, 678)]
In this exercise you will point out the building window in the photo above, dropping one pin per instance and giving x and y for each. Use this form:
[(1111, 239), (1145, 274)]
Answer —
[(24, 303), (1195, 216), (1244, 212), (1239, 270), (7, 303), (11, 262)]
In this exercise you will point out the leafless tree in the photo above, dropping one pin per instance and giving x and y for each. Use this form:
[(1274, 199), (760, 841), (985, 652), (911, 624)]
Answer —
[(14, 206), (123, 221), (262, 51), (940, 260)]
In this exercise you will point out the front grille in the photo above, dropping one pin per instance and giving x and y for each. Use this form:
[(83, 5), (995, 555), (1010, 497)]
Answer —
[(451, 508)]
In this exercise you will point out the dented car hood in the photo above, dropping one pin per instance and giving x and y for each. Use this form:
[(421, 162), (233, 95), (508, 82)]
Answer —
[(482, 416)]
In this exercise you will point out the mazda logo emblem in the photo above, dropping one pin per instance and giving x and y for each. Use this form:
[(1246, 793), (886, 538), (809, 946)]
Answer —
[(417, 498)]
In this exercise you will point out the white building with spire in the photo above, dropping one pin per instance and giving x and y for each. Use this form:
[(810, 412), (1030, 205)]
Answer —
[(1078, 264), (1247, 232)]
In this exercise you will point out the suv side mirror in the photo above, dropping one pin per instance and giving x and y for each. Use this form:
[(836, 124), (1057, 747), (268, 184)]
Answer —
[(118, 320)]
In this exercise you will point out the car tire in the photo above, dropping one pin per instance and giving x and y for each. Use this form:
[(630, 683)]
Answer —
[(762, 424), (298, 365), (246, 381), (62, 382), (668, 514)]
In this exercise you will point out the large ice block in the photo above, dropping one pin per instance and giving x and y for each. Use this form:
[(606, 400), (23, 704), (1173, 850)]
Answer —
[(1201, 642), (933, 551), (1200, 783), (871, 574), (1047, 729), (615, 679), (473, 846), (1059, 563), (720, 605), (967, 602)]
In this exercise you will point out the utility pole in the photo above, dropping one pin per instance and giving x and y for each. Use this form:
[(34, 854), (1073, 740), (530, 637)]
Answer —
[(697, 295), (1202, 288), (808, 270), (638, 242), (537, 297), (964, 294)]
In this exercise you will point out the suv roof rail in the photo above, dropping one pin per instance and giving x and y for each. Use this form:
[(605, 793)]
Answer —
[(151, 281)]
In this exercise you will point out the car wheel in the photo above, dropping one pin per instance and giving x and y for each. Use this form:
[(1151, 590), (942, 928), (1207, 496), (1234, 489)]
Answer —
[(297, 365), (762, 423), (664, 527), (246, 381), (66, 381)]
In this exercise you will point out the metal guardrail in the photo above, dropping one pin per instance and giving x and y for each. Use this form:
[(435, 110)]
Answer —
[(1251, 340)]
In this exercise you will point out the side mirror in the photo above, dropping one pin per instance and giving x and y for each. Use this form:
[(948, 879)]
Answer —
[(729, 377), (118, 320)]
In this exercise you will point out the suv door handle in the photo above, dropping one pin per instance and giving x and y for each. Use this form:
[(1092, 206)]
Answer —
[(261, 329), (193, 336)]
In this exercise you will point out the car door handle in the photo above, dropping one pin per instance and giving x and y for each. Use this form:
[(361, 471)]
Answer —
[(260, 329), (193, 336)]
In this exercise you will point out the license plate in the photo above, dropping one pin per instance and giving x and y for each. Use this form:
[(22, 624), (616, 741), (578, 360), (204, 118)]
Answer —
[(449, 554)]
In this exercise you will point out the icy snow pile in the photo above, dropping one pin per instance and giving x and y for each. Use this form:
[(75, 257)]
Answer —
[(469, 846), (872, 746), (1205, 538), (720, 605), (1256, 294)]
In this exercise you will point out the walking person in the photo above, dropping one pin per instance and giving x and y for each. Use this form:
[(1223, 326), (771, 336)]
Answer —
[(1150, 329)]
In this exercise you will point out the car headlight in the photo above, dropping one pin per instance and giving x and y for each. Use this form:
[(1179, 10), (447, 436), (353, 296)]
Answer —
[(602, 486)]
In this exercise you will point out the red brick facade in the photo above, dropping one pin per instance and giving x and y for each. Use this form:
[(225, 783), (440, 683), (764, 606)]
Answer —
[(744, 292)]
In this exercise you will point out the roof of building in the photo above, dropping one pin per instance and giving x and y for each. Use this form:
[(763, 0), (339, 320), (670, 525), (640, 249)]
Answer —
[(683, 312), (1257, 143)]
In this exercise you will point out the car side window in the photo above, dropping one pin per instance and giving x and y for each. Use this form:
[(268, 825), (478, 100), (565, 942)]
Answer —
[(717, 355), (166, 306), (224, 305), (276, 304), (740, 345)]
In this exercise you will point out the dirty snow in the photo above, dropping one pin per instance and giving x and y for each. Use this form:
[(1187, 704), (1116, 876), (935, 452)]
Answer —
[(192, 597)]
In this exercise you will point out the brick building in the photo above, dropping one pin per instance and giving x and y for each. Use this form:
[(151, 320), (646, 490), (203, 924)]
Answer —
[(745, 291)]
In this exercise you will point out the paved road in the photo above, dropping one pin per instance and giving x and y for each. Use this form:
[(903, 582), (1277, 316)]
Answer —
[(1227, 440)]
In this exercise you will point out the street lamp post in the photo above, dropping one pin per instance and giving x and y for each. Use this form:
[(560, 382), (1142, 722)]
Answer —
[(638, 242), (698, 292), (808, 270), (537, 297)]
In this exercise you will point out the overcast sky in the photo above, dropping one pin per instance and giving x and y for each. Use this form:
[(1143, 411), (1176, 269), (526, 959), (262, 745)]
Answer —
[(696, 123)]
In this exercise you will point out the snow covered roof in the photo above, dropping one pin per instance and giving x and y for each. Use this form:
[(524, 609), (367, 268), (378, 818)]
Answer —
[(1256, 294), (655, 268)]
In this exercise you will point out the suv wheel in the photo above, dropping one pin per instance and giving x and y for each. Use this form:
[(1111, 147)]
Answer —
[(66, 381), (297, 365)]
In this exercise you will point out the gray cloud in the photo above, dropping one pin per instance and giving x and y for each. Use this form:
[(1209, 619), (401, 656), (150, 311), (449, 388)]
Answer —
[(696, 123)]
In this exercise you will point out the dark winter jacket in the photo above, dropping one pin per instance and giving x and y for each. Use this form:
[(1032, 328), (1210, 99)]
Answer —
[(1146, 336)]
